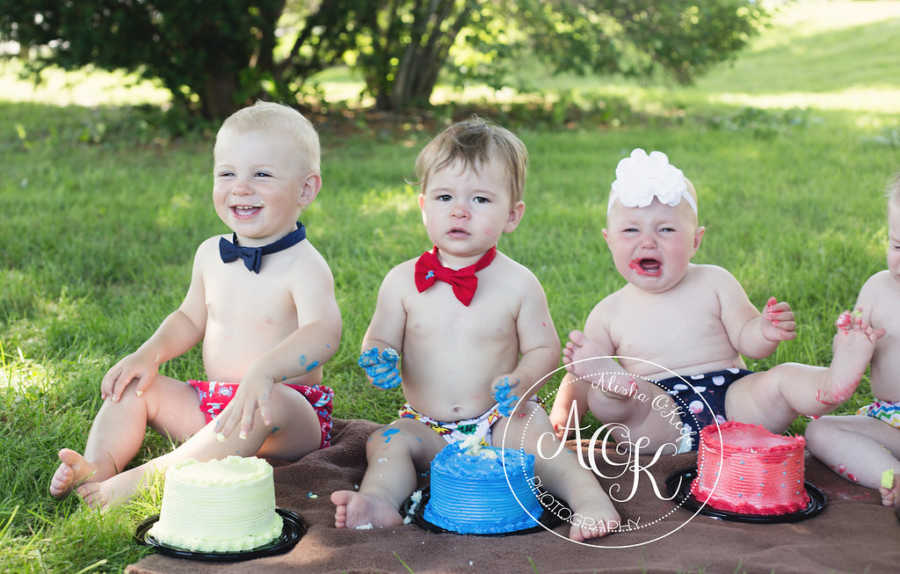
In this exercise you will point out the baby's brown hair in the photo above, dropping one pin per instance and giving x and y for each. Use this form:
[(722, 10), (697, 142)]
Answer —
[(475, 141)]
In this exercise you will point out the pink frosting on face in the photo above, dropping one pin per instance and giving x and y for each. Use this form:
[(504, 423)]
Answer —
[(636, 266)]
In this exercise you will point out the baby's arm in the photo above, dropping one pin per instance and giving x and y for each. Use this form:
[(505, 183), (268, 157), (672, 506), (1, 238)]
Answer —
[(313, 343), (178, 332), (581, 356), (866, 301), (538, 345), (751, 333), (385, 333)]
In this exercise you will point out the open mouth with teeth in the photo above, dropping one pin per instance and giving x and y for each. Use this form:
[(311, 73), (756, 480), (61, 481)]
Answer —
[(245, 211), (646, 266)]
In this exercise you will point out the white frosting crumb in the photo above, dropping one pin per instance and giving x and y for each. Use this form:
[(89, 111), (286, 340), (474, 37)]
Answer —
[(366, 526)]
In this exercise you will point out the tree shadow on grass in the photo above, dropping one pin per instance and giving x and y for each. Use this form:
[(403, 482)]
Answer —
[(830, 61)]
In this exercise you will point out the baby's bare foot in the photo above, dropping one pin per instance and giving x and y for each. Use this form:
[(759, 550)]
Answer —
[(362, 511), (578, 349), (72, 472), (853, 346), (113, 491), (597, 519)]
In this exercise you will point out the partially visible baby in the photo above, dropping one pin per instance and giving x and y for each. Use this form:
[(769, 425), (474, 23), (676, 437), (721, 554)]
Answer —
[(865, 448)]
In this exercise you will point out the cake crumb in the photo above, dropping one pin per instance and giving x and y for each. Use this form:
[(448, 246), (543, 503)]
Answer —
[(366, 526), (415, 499)]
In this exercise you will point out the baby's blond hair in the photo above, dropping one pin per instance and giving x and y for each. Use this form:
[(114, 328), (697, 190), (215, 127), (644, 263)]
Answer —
[(475, 141), (266, 116)]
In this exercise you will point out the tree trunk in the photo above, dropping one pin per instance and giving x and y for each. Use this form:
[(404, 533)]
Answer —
[(217, 98), (424, 56)]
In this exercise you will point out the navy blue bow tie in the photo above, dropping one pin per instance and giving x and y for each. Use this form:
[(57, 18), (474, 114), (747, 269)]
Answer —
[(252, 256)]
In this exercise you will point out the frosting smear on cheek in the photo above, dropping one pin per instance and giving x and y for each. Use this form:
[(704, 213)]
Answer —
[(646, 266)]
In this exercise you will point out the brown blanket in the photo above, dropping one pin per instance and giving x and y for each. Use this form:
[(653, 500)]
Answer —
[(853, 534)]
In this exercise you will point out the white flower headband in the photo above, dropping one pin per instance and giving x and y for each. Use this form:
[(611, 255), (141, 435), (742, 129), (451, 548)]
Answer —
[(641, 177)]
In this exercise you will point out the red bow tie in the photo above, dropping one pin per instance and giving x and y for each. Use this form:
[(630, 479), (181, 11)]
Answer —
[(463, 281)]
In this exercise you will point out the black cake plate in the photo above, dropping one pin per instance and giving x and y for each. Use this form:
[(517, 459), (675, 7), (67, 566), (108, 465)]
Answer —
[(817, 502), (294, 528), (547, 519)]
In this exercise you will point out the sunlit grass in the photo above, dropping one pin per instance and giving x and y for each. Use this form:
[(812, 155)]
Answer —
[(810, 17), (885, 100), (88, 87)]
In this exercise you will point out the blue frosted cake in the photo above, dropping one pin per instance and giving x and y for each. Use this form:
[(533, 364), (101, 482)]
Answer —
[(470, 495)]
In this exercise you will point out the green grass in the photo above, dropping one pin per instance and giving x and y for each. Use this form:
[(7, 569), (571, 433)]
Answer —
[(103, 210)]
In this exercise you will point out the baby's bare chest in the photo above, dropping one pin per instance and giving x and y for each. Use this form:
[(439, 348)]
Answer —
[(663, 328), (249, 302), (441, 318)]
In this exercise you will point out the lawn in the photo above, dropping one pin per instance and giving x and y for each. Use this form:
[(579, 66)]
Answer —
[(104, 210)]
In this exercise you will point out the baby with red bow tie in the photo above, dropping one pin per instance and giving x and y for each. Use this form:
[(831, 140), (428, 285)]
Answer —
[(474, 333)]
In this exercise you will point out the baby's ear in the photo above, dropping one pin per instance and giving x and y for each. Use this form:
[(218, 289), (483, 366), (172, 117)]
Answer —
[(516, 213), (309, 189), (698, 237)]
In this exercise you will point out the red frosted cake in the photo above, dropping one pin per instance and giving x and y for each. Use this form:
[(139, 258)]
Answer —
[(762, 473)]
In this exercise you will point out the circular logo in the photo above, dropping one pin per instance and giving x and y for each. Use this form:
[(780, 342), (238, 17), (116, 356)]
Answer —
[(620, 457)]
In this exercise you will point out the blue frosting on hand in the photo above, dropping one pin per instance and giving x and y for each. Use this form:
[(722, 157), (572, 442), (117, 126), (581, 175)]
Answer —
[(381, 367), (503, 398)]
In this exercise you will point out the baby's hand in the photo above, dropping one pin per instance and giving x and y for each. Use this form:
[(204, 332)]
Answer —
[(381, 367), (135, 367), (847, 320), (778, 321), (252, 393), (502, 391)]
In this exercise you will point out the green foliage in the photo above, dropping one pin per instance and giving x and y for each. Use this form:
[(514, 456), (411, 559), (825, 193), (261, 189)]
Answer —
[(682, 38), (212, 57), (410, 42), (215, 57), (201, 57)]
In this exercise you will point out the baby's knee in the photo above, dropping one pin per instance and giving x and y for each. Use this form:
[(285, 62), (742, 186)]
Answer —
[(389, 436), (128, 398)]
